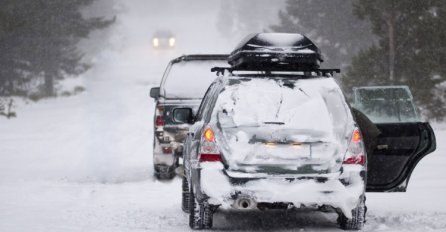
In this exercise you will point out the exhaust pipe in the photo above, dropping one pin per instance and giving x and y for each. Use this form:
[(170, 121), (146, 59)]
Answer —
[(244, 204)]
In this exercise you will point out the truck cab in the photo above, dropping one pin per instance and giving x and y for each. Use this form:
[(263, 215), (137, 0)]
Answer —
[(183, 85)]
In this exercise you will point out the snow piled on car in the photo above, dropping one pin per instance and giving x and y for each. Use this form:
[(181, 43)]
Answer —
[(307, 193), (291, 123)]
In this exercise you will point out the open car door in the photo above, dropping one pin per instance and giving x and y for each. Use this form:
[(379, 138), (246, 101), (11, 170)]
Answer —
[(404, 140)]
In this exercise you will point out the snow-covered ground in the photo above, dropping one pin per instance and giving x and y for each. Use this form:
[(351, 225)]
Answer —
[(84, 163)]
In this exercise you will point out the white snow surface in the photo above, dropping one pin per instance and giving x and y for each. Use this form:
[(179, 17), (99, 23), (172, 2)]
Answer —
[(84, 163)]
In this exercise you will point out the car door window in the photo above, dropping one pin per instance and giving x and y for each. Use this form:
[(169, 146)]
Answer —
[(386, 104), (204, 102), (211, 104)]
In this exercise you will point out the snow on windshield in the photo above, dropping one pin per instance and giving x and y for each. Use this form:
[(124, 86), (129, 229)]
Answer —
[(285, 104), (190, 79)]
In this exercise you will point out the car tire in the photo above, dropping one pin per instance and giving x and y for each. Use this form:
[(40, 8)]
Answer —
[(185, 195), (358, 217), (200, 213), (208, 216)]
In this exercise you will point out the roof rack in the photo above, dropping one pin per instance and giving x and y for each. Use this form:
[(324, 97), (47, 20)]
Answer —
[(200, 57), (322, 72)]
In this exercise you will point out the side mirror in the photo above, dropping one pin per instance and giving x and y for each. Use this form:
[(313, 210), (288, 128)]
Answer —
[(155, 92), (183, 115)]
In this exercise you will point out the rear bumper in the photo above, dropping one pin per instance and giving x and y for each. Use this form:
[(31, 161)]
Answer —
[(164, 159), (340, 191), (166, 154)]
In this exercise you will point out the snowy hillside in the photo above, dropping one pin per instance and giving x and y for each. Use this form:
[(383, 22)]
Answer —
[(84, 163)]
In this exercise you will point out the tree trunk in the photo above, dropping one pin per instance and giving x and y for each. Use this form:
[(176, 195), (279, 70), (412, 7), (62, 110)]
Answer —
[(49, 85), (391, 27)]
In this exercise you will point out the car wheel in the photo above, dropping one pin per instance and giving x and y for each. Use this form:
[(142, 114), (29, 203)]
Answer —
[(200, 213), (358, 217), (208, 215), (185, 196)]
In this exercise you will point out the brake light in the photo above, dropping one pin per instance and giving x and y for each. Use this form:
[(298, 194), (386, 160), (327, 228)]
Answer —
[(355, 152), (208, 148), (210, 157), (159, 121), (167, 150)]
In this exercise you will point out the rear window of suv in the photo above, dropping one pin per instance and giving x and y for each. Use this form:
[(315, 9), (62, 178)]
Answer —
[(311, 105)]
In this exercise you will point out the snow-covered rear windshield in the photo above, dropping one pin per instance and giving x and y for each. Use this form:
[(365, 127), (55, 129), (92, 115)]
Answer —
[(308, 105), (190, 79)]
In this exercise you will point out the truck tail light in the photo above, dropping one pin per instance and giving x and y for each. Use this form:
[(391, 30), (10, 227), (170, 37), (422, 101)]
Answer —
[(208, 148), (167, 150), (159, 121), (355, 152)]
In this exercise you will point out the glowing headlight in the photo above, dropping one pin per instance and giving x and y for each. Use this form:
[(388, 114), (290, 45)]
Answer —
[(172, 42), (156, 42)]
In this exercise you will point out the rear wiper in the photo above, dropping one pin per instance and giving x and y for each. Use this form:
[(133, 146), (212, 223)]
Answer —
[(275, 123)]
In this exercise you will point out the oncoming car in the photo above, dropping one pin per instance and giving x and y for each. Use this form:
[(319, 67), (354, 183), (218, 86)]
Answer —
[(265, 139), (163, 39)]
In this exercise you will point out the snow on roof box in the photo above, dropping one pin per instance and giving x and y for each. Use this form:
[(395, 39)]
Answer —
[(276, 51)]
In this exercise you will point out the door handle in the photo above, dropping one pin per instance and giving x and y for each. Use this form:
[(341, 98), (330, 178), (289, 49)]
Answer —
[(382, 147)]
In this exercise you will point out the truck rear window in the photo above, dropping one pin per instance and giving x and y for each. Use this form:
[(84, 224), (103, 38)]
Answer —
[(190, 79)]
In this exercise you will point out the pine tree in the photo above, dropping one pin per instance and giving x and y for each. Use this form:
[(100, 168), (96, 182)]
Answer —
[(39, 39), (411, 50), (331, 24)]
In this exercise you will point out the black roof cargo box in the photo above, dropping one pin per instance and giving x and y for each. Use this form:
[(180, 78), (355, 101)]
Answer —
[(276, 51)]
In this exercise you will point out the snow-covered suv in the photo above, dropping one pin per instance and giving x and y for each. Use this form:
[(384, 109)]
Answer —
[(289, 139), (278, 141)]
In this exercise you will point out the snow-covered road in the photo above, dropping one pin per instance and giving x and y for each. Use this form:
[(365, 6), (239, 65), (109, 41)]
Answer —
[(84, 163)]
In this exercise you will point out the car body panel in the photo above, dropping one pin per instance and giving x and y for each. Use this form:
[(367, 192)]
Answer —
[(400, 147)]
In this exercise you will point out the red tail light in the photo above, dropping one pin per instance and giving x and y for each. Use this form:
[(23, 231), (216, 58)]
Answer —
[(355, 152), (208, 148), (159, 121), (167, 150), (210, 158)]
